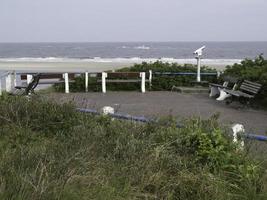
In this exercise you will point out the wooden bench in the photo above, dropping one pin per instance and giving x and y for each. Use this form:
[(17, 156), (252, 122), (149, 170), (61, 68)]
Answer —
[(216, 90), (247, 91)]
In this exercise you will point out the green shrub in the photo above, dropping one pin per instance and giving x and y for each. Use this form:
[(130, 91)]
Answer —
[(253, 70), (159, 82), (50, 151)]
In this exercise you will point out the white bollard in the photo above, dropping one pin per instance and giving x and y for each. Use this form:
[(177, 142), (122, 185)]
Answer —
[(106, 110), (150, 79), (104, 76), (238, 128), (67, 87), (29, 78), (86, 81), (143, 82)]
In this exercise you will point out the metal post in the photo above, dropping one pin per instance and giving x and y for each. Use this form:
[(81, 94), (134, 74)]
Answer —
[(67, 87), (86, 81), (104, 76), (143, 82), (15, 79), (0, 86), (218, 74), (150, 79), (198, 70)]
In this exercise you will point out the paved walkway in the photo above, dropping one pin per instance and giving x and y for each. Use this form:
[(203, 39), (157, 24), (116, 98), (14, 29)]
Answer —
[(155, 104)]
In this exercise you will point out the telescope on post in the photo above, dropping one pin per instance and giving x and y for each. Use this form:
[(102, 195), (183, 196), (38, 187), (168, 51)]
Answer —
[(198, 53)]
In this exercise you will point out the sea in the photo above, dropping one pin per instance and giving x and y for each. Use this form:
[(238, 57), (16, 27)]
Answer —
[(181, 52)]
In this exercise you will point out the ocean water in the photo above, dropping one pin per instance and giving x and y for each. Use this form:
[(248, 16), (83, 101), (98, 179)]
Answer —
[(143, 50)]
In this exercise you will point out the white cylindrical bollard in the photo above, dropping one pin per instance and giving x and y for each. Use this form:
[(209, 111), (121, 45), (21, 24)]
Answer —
[(198, 70), (67, 87), (143, 82), (29, 78), (150, 79), (106, 110), (104, 76), (238, 129), (86, 81)]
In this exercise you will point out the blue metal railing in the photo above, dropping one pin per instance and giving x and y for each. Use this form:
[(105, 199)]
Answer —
[(146, 120)]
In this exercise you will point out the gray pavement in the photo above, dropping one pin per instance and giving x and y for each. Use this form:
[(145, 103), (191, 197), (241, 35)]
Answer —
[(156, 104)]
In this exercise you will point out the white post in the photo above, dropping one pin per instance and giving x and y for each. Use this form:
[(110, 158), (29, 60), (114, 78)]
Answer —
[(86, 81), (9, 82), (15, 79), (143, 82), (198, 70), (104, 76), (150, 79), (218, 74), (0, 86), (29, 78), (67, 87)]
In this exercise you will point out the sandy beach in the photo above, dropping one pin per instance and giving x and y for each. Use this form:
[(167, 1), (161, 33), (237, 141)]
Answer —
[(91, 66)]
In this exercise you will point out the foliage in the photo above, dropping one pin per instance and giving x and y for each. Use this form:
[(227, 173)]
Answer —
[(253, 70), (50, 151), (159, 82)]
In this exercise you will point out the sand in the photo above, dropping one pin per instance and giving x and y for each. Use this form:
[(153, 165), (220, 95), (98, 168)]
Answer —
[(75, 66)]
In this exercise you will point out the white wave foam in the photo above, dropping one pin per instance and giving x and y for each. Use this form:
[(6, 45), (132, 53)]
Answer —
[(123, 60), (143, 47)]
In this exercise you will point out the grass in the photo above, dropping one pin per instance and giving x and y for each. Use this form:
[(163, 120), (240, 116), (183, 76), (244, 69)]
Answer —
[(50, 151)]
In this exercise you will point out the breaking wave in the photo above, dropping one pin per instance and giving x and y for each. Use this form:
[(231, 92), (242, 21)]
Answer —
[(123, 60)]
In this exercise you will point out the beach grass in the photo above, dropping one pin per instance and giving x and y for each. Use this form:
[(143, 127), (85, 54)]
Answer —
[(50, 151)]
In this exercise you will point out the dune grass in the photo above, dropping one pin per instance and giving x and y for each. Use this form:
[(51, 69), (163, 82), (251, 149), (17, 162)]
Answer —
[(50, 151)]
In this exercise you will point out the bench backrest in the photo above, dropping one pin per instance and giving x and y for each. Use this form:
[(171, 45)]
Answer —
[(121, 75), (49, 76), (230, 81), (250, 87)]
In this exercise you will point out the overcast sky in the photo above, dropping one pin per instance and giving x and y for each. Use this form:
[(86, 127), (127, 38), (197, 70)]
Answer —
[(132, 20)]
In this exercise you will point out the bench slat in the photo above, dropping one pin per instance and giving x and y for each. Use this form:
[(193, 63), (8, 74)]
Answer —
[(252, 86), (252, 83), (249, 89)]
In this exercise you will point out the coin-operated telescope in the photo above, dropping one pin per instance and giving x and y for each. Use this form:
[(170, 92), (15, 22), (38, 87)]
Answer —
[(198, 53)]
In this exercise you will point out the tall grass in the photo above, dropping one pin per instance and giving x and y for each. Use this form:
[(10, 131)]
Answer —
[(50, 151)]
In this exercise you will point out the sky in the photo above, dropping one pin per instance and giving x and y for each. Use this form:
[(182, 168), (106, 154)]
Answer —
[(132, 20)]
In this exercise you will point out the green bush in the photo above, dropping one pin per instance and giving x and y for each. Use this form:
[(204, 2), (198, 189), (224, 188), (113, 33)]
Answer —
[(159, 82), (50, 151), (253, 70)]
